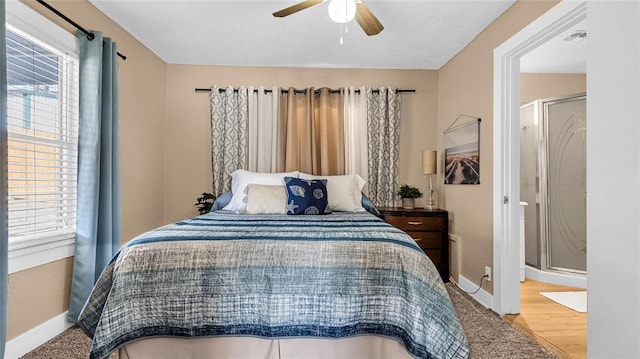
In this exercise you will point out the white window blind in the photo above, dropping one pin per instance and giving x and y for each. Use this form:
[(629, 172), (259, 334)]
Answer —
[(42, 87)]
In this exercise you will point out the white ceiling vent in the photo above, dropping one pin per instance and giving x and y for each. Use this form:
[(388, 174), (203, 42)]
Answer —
[(576, 36)]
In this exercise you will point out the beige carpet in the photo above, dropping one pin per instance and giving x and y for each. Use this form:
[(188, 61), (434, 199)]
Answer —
[(489, 336)]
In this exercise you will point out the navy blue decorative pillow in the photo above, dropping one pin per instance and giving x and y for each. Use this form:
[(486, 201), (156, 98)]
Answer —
[(306, 196)]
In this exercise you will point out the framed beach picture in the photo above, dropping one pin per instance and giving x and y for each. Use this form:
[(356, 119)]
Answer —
[(462, 154)]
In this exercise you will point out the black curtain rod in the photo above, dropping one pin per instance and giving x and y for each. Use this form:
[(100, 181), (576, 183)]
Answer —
[(90, 35), (297, 91)]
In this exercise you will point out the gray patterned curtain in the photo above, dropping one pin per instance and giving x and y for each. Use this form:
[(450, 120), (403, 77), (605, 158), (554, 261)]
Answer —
[(383, 133), (229, 117)]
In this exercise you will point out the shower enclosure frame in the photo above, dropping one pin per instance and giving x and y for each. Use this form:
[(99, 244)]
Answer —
[(542, 150)]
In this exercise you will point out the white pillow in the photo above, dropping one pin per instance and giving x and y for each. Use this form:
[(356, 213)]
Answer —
[(266, 199), (343, 192), (240, 179)]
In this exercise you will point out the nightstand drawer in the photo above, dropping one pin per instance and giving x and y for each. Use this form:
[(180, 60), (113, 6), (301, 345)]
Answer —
[(428, 227), (435, 255), (427, 239), (416, 223)]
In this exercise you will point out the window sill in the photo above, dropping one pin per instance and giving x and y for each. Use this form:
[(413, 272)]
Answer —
[(27, 254)]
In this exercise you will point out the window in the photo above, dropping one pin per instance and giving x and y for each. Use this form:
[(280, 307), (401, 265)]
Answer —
[(42, 119)]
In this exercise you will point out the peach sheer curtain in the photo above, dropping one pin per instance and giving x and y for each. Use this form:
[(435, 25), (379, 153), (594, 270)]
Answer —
[(311, 132)]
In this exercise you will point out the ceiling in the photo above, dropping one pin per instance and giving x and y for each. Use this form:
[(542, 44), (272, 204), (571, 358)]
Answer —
[(558, 55), (417, 34)]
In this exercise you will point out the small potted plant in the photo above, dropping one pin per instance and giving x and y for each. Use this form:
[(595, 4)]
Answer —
[(205, 203), (409, 195)]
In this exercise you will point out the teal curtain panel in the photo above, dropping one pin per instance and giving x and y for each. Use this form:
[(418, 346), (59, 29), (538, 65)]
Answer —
[(98, 214)]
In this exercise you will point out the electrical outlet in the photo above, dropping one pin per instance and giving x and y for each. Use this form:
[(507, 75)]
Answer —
[(487, 272)]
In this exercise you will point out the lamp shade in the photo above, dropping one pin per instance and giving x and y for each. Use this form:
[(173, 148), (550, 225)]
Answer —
[(429, 160)]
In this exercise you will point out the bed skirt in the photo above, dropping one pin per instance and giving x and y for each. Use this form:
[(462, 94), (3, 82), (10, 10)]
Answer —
[(369, 347)]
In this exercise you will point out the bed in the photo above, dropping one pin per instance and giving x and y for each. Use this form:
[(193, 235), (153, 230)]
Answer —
[(228, 285)]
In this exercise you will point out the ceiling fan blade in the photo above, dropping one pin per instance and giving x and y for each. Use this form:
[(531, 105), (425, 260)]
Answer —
[(367, 21), (297, 7)]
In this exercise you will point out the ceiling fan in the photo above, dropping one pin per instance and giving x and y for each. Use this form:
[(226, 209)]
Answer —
[(341, 11)]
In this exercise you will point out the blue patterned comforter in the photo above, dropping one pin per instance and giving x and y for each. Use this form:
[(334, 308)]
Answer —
[(273, 276)]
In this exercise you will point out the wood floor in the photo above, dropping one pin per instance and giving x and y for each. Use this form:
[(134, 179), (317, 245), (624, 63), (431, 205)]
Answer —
[(556, 327)]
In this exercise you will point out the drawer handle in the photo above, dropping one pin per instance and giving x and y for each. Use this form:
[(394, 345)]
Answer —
[(417, 239), (412, 223)]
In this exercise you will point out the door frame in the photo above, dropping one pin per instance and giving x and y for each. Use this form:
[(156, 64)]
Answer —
[(506, 146)]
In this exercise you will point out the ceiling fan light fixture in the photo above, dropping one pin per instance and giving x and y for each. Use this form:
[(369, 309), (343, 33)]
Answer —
[(342, 11)]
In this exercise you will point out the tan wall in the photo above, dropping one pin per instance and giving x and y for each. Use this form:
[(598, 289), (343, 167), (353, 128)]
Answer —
[(465, 86), (539, 86), (40, 293), (188, 142)]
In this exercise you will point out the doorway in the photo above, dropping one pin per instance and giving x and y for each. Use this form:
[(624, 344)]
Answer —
[(506, 147)]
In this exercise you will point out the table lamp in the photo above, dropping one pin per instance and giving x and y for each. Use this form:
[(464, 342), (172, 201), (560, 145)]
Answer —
[(429, 161)]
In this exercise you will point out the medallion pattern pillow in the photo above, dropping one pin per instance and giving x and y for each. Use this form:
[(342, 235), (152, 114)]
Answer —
[(306, 196)]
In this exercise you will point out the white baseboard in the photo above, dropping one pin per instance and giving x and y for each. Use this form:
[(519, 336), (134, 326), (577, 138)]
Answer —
[(35, 337), (569, 280), (483, 297)]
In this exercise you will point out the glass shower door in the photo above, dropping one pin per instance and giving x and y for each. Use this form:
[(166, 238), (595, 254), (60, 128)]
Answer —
[(529, 179), (566, 130)]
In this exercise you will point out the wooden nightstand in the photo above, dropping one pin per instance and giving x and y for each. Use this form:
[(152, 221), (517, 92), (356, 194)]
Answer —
[(428, 227)]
